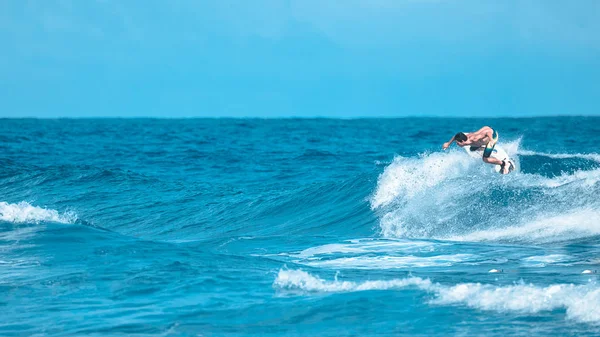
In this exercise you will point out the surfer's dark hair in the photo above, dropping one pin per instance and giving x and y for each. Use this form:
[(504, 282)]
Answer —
[(460, 137)]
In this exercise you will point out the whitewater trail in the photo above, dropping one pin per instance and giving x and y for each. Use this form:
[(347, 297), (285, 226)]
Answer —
[(580, 301)]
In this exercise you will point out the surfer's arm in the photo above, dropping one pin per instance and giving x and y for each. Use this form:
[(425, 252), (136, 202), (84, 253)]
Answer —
[(447, 145)]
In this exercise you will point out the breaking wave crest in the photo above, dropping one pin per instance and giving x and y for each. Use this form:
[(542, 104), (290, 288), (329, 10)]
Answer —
[(24, 212), (451, 196)]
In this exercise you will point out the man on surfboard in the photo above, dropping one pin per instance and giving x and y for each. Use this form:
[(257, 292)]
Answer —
[(487, 138)]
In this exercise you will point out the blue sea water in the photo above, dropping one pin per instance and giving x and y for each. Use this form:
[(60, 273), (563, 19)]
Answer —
[(297, 227)]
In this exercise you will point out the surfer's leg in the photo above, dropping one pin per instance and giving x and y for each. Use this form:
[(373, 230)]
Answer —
[(492, 160), (492, 135), (489, 147), (507, 166)]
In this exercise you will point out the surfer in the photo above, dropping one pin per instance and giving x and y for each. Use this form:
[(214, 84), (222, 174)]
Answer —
[(486, 138)]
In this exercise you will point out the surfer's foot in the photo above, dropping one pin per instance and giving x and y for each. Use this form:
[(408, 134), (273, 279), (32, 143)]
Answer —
[(506, 167)]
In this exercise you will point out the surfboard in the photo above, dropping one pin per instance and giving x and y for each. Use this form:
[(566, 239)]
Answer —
[(498, 153)]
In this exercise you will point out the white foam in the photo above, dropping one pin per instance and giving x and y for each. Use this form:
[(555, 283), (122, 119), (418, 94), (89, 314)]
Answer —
[(580, 301), (24, 212), (300, 280), (576, 224), (391, 262)]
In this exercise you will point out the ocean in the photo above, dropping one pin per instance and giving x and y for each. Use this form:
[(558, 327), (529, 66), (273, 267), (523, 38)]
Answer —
[(297, 227)]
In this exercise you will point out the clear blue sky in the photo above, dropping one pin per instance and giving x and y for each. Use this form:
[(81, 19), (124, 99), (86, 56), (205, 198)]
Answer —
[(276, 58)]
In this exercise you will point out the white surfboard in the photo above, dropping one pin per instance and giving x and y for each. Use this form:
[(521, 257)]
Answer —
[(498, 153)]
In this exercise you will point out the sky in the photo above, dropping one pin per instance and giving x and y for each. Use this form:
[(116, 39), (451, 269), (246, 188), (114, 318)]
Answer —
[(299, 58)]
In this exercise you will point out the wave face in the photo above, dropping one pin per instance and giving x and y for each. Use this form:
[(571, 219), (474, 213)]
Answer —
[(317, 227)]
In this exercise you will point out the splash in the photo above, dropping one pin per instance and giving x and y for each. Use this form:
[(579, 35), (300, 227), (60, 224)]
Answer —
[(408, 177), (450, 197), (23, 212)]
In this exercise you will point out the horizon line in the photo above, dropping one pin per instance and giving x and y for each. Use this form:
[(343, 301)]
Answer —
[(294, 117)]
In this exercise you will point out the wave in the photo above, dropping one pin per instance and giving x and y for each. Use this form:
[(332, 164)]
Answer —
[(438, 195), (170, 207), (580, 301), (448, 196), (23, 212)]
